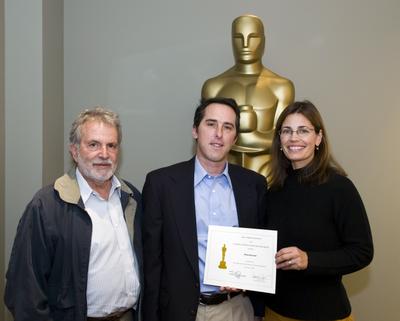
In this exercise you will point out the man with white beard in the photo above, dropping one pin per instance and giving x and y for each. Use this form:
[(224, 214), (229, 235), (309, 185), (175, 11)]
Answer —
[(77, 254)]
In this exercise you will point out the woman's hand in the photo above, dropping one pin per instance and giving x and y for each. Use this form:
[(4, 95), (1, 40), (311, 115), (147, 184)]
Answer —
[(291, 258)]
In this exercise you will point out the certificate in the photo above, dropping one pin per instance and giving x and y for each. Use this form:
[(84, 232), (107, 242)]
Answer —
[(242, 258)]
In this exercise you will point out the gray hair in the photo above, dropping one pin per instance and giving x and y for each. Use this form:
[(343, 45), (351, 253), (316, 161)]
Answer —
[(96, 113)]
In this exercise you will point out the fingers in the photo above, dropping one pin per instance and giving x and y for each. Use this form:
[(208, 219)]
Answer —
[(286, 264), (291, 258), (289, 265), (228, 289)]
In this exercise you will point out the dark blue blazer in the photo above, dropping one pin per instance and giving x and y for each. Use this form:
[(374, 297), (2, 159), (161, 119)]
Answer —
[(170, 255)]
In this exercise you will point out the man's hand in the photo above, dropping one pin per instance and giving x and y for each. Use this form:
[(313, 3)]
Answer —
[(228, 289)]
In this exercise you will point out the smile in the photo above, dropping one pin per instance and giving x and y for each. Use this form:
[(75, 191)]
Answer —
[(216, 145), (295, 148), (102, 165)]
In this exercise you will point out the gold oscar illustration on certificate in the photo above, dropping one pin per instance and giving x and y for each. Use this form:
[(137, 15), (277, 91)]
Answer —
[(222, 263)]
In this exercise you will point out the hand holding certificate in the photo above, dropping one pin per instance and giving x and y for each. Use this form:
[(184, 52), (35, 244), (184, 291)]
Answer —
[(241, 258)]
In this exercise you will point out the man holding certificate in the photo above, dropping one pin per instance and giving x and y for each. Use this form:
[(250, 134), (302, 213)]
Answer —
[(180, 203)]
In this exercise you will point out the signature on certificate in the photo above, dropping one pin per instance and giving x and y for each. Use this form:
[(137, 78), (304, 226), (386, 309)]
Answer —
[(259, 278), (237, 274)]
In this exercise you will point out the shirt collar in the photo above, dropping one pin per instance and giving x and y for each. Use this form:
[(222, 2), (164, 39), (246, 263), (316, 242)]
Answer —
[(86, 190), (200, 173)]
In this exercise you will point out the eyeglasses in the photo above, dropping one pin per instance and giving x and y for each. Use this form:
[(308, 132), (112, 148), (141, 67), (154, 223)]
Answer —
[(302, 132)]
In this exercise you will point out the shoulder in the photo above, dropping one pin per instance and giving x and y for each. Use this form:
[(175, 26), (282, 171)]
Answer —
[(212, 86), (45, 195), (338, 181), (280, 83), (341, 187), (275, 79), (227, 73), (43, 206), (178, 169)]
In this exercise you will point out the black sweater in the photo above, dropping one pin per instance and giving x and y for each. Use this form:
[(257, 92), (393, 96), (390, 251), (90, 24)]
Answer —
[(329, 222)]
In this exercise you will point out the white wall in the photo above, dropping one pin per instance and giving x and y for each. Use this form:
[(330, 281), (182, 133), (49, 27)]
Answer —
[(148, 59), (2, 156), (31, 98), (23, 109)]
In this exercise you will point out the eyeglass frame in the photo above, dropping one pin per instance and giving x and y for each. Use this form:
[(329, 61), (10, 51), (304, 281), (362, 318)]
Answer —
[(296, 131)]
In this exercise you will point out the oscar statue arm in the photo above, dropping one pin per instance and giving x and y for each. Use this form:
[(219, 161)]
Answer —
[(260, 141)]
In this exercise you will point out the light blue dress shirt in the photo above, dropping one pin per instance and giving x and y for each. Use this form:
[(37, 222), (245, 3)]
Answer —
[(215, 205)]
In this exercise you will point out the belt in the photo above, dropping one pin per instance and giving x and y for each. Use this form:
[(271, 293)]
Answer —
[(115, 316), (216, 298)]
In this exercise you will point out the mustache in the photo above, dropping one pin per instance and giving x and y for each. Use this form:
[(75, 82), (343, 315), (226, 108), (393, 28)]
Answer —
[(102, 161)]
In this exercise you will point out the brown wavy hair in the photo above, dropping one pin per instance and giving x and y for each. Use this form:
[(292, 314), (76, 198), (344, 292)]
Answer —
[(323, 162)]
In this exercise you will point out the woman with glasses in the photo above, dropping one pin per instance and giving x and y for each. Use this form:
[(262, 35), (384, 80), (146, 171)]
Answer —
[(323, 229)]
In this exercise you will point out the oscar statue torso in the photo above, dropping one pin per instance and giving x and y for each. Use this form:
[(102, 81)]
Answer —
[(261, 98)]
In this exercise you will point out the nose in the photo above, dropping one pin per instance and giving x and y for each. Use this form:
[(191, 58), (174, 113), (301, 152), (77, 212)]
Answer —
[(246, 41), (219, 131), (103, 153)]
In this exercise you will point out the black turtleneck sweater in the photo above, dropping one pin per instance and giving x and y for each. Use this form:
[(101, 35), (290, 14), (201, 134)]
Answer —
[(329, 222)]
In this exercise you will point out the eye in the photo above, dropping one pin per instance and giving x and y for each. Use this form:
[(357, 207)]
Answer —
[(303, 131), (254, 36), (113, 146), (286, 131), (211, 123), (93, 145), (228, 127)]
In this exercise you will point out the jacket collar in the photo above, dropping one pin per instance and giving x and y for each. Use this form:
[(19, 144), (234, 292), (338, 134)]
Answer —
[(68, 188)]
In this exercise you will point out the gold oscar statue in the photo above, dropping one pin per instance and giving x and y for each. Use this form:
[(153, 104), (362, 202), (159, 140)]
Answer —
[(222, 263), (260, 93)]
